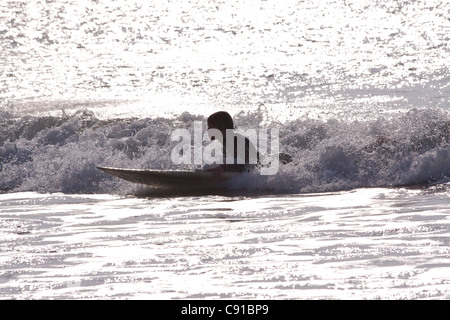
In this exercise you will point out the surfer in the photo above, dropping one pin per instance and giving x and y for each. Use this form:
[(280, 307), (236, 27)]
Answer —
[(232, 159)]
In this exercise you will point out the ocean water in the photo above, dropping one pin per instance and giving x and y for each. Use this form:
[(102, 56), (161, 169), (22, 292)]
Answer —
[(360, 94)]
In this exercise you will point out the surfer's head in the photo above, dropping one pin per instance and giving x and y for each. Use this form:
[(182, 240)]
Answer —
[(220, 120)]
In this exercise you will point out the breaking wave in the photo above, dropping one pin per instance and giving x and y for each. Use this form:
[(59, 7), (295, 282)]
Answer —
[(60, 154)]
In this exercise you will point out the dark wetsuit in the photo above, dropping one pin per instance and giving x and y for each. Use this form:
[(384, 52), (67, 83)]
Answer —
[(249, 163)]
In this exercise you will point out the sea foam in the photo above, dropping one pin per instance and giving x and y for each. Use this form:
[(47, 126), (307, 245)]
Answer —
[(61, 153)]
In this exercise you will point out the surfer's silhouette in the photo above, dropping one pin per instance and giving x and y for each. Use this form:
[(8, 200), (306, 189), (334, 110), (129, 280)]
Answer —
[(233, 160)]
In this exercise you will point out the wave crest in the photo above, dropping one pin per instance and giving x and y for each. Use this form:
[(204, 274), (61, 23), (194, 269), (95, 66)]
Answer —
[(60, 154)]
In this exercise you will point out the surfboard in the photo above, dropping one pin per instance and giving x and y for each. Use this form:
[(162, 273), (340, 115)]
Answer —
[(171, 178)]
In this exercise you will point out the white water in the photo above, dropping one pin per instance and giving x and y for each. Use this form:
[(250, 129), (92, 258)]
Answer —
[(358, 89)]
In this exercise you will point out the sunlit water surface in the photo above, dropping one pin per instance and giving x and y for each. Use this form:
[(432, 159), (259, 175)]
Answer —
[(362, 244), (360, 91)]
